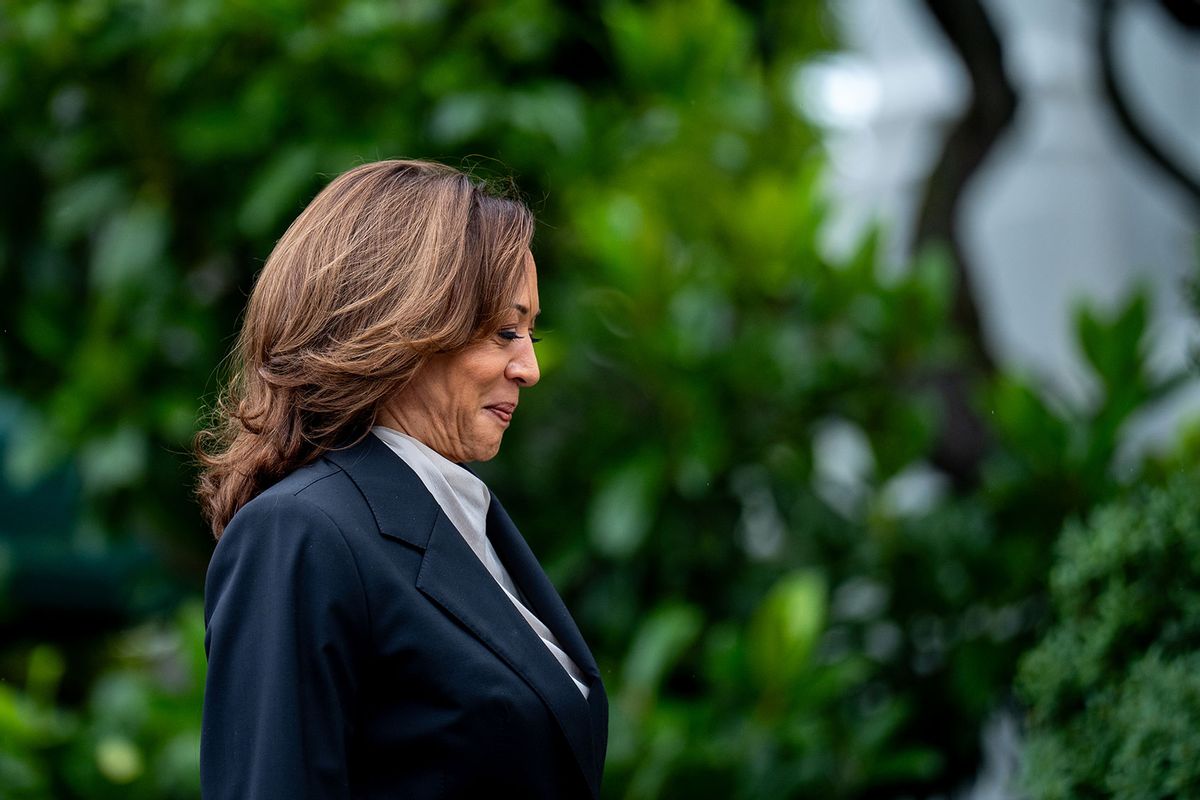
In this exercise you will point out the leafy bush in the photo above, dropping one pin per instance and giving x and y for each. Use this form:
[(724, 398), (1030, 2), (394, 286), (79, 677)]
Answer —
[(136, 734), (1114, 688), (763, 464)]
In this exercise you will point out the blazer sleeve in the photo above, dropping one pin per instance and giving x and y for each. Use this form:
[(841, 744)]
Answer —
[(286, 628)]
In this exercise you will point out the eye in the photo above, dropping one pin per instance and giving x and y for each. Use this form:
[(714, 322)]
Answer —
[(511, 335)]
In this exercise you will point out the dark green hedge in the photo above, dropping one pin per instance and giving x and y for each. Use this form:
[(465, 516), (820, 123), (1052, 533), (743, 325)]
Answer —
[(1114, 687)]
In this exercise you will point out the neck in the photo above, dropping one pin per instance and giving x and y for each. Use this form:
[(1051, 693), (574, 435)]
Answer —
[(425, 434)]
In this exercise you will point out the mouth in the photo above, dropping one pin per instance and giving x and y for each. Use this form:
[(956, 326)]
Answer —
[(502, 411)]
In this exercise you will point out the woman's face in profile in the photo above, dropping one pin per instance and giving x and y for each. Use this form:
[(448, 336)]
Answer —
[(461, 403)]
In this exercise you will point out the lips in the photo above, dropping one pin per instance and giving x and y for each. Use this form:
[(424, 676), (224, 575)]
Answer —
[(502, 411)]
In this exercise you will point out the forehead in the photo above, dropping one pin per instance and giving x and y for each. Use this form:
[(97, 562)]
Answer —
[(526, 301)]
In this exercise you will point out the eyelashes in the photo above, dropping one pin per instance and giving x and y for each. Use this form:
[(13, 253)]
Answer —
[(512, 336)]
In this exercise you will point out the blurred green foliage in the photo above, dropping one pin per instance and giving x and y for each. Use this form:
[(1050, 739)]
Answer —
[(135, 735), (1114, 687), (729, 467)]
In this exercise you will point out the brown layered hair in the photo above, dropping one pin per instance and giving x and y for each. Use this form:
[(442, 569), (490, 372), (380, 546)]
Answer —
[(391, 263)]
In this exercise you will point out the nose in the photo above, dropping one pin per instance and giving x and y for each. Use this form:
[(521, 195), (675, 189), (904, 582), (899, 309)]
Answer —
[(523, 367)]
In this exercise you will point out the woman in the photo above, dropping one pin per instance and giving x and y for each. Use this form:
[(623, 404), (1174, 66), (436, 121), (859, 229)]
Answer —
[(376, 626)]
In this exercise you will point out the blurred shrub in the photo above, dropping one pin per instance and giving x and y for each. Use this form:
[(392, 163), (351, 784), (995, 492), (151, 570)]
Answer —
[(30, 727), (798, 440), (136, 735), (1114, 687)]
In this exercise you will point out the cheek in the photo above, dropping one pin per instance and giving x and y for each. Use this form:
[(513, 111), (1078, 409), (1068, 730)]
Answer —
[(481, 374)]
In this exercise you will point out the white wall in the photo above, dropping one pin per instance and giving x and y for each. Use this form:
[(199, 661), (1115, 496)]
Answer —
[(1064, 209)]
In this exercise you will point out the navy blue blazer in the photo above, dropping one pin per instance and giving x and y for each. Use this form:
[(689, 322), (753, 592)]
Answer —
[(357, 648)]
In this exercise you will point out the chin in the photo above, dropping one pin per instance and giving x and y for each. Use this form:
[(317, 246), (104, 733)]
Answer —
[(485, 452)]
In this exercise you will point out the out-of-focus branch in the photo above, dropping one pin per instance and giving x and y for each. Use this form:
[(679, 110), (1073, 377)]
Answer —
[(993, 106), (1185, 12), (1187, 15)]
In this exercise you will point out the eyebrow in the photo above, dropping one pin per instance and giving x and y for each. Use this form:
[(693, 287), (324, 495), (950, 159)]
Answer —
[(524, 310)]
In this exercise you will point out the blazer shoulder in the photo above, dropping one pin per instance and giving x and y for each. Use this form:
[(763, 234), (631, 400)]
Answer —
[(317, 500), (285, 506), (322, 484), (300, 480), (282, 540)]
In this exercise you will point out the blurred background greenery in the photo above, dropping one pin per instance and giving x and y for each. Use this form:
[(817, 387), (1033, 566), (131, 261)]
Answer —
[(805, 521)]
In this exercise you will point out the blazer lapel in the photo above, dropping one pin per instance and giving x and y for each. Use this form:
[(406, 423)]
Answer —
[(527, 573), (452, 576)]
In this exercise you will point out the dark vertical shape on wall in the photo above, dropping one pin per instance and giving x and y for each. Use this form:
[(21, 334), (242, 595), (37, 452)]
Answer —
[(992, 108), (1187, 16)]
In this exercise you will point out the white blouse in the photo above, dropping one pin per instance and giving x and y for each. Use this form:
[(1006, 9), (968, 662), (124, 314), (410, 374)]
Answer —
[(464, 499)]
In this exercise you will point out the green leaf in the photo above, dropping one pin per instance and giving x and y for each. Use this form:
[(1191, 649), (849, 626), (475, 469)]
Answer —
[(119, 759), (656, 647), (130, 246), (276, 193), (79, 206), (623, 507), (46, 669), (1114, 348), (785, 629), (554, 110), (117, 459)]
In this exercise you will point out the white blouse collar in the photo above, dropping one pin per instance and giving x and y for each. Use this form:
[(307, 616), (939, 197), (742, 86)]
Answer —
[(462, 496)]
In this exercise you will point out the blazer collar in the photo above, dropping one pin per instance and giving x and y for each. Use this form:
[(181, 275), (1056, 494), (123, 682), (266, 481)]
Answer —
[(402, 506), (452, 576)]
